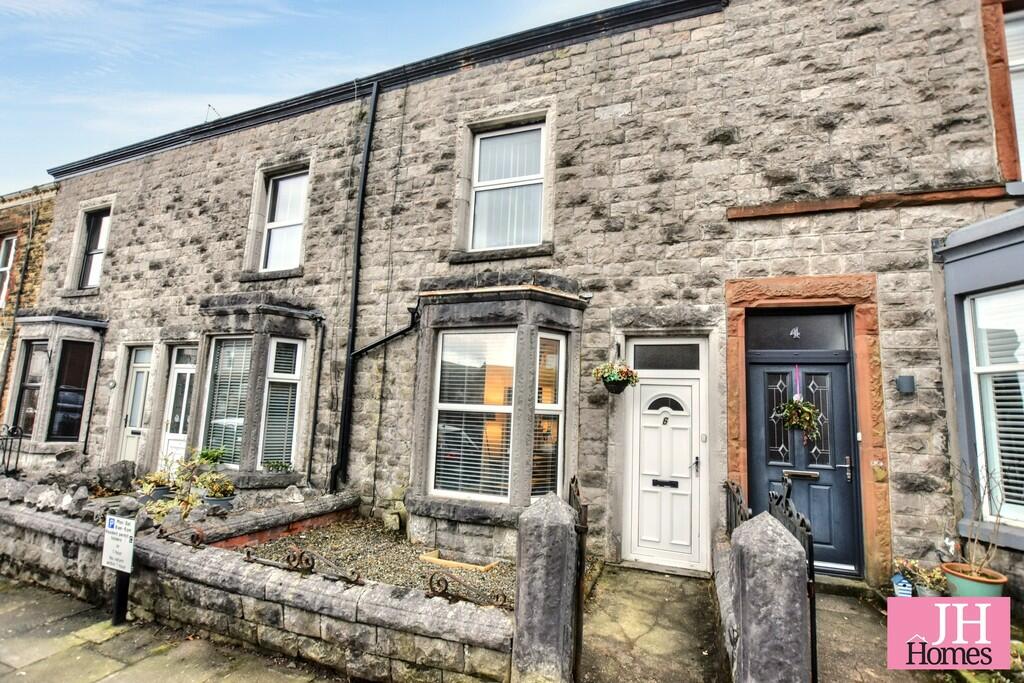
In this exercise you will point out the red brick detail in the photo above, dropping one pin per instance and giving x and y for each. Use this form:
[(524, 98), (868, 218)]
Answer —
[(260, 537), (860, 292), (870, 201)]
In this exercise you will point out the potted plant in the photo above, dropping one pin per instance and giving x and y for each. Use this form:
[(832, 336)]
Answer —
[(616, 376), (219, 491), (969, 573), (156, 485), (928, 583)]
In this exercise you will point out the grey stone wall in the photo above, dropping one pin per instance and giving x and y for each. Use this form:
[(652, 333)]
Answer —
[(373, 632), (656, 132)]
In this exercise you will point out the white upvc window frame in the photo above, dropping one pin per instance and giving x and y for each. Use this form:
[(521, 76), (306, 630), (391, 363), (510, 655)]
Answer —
[(204, 413), (282, 378), (1016, 517), (520, 181), (100, 252), (557, 409), (269, 226), (6, 268), (437, 407)]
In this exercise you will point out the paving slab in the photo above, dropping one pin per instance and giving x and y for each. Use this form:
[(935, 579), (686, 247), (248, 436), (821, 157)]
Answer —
[(22, 609), (76, 664), (134, 645), (254, 669), (646, 626), (192, 661), (23, 647)]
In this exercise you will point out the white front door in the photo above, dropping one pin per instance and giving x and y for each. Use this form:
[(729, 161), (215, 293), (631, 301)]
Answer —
[(179, 398), (135, 420), (667, 469)]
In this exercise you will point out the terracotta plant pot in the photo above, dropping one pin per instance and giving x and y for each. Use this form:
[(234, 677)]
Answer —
[(616, 386), (964, 584)]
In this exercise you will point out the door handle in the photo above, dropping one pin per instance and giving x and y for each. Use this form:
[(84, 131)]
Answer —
[(695, 465), (801, 474), (849, 469)]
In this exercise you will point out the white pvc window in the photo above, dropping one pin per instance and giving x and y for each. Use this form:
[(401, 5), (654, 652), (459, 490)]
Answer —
[(6, 263), (286, 212), (97, 230), (996, 349), (549, 416), (508, 188), (227, 397), (472, 423), (281, 401)]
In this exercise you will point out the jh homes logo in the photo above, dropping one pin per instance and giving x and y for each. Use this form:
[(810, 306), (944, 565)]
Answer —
[(949, 633)]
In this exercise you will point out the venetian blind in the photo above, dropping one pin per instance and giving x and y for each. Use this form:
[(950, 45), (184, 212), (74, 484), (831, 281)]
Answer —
[(508, 190), (228, 398), (474, 413)]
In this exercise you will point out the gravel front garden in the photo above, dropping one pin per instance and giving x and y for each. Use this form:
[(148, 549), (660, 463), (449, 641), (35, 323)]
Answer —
[(364, 547)]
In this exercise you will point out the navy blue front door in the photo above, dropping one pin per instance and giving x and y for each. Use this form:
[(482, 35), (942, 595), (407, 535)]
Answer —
[(823, 470)]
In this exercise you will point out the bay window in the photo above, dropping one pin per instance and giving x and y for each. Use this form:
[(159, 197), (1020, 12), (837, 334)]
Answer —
[(473, 413), (32, 373), (281, 400), (548, 419), (507, 188), (68, 407), (996, 354), (227, 397)]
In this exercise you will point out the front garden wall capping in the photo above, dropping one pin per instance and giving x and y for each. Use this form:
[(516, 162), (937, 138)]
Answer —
[(375, 632)]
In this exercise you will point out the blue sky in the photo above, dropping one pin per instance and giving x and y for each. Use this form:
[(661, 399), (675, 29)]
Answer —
[(85, 76)]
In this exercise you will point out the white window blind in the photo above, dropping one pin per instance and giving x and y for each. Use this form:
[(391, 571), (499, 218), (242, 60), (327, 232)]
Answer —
[(286, 209), (998, 369), (473, 413), (548, 416), (228, 397), (6, 261), (508, 188), (282, 400)]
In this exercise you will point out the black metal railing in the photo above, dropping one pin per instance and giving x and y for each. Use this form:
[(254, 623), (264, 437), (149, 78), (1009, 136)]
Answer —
[(10, 448), (581, 570), (736, 510), (782, 508)]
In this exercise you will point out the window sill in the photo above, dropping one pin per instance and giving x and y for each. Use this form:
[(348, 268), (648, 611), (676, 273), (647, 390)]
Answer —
[(78, 293), (267, 275), (460, 256), (1010, 535), (263, 480), (460, 510)]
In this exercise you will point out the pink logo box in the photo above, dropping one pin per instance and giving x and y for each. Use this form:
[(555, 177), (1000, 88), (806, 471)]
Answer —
[(949, 633)]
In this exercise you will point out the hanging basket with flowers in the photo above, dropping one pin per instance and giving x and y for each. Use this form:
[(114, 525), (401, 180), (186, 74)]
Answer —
[(796, 413), (616, 376)]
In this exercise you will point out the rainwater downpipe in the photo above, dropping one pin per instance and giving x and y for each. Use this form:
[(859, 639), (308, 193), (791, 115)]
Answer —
[(340, 468)]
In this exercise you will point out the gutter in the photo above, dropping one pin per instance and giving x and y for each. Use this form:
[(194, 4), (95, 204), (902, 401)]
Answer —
[(345, 429)]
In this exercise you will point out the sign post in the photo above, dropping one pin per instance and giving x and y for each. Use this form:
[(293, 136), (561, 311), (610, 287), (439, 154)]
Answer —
[(118, 552)]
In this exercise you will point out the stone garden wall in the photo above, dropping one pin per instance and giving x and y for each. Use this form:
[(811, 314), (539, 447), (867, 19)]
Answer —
[(374, 631)]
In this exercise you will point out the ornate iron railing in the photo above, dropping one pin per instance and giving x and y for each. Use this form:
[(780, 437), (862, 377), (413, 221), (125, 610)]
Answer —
[(450, 587), (782, 508), (581, 570), (736, 510), (10, 448), (306, 561)]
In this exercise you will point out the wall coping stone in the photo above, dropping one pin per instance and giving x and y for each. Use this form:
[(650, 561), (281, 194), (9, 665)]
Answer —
[(468, 511)]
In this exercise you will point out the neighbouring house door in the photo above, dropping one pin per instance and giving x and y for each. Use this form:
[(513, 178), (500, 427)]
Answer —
[(135, 420), (810, 357), (667, 496), (179, 398)]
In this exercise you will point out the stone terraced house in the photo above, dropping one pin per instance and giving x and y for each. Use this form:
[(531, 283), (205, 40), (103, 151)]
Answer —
[(742, 200)]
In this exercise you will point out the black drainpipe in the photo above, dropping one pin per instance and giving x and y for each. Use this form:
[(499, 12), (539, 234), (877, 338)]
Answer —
[(345, 431)]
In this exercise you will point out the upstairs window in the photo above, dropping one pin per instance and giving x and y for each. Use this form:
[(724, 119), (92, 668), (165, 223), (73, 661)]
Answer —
[(286, 212), (97, 228), (473, 414), (6, 262), (69, 392), (281, 403), (508, 188)]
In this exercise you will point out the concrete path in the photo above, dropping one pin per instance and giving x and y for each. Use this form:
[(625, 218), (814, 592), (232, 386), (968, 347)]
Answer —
[(852, 643), (644, 626), (48, 637)]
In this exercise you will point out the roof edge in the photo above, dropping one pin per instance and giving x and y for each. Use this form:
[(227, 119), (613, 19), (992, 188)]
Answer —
[(566, 32), (29, 194)]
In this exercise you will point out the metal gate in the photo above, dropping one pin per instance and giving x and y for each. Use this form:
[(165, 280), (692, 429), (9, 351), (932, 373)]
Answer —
[(10, 449), (581, 569)]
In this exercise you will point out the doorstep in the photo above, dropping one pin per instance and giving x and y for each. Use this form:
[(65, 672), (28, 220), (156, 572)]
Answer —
[(853, 588)]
